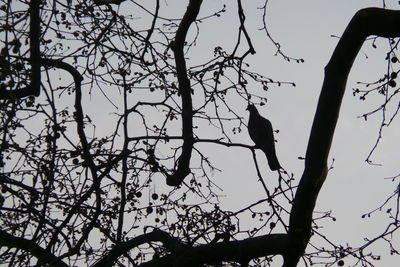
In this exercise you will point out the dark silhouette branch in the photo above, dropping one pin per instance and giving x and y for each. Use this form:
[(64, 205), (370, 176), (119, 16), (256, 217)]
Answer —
[(79, 117), (185, 90), (34, 48), (237, 251), (242, 29), (34, 38), (107, 2), (366, 22), (169, 242), (40, 253), (151, 30)]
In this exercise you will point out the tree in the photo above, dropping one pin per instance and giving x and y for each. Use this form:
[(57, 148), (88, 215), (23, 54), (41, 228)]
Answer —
[(131, 181)]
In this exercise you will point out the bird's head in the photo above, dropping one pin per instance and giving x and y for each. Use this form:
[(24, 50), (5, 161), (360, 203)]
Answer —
[(251, 108)]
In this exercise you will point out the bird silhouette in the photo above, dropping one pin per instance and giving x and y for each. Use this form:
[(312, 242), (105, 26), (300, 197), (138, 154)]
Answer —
[(260, 131)]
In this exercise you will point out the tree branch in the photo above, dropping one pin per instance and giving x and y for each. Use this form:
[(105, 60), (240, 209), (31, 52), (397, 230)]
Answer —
[(107, 2), (34, 48), (185, 91), (366, 22), (169, 242), (30, 246), (34, 38), (237, 251), (79, 117)]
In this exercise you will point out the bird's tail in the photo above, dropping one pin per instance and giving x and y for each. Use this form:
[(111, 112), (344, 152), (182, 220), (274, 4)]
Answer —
[(273, 161)]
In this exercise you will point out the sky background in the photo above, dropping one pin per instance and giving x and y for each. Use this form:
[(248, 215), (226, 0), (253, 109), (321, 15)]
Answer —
[(304, 29), (353, 187)]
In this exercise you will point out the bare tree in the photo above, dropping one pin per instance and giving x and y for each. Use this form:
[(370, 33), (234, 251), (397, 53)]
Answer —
[(80, 189)]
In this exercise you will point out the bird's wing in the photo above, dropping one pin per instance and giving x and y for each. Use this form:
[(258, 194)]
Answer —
[(260, 131)]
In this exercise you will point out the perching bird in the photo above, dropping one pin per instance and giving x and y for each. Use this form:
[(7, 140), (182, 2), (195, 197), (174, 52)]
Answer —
[(260, 131)]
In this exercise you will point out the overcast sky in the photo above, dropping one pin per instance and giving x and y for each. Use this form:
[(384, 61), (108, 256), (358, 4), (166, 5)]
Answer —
[(305, 29)]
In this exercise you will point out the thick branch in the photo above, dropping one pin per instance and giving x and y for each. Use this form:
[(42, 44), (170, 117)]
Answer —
[(183, 255), (40, 253), (185, 91), (237, 251), (169, 242), (366, 22)]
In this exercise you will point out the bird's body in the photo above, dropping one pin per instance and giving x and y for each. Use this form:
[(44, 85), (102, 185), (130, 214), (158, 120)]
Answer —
[(261, 132)]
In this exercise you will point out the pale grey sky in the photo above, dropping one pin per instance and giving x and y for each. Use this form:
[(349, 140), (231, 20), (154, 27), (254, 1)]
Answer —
[(304, 29)]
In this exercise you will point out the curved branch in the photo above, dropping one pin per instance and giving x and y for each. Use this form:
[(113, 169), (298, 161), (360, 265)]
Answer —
[(237, 251), (184, 255), (366, 22), (40, 253), (185, 91), (79, 117), (169, 242)]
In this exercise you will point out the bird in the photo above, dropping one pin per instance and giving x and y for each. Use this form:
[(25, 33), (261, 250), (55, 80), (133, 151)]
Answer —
[(260, 131)]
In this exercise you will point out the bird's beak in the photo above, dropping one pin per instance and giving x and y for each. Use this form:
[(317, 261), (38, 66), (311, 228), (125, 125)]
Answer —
[(247, 108)]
